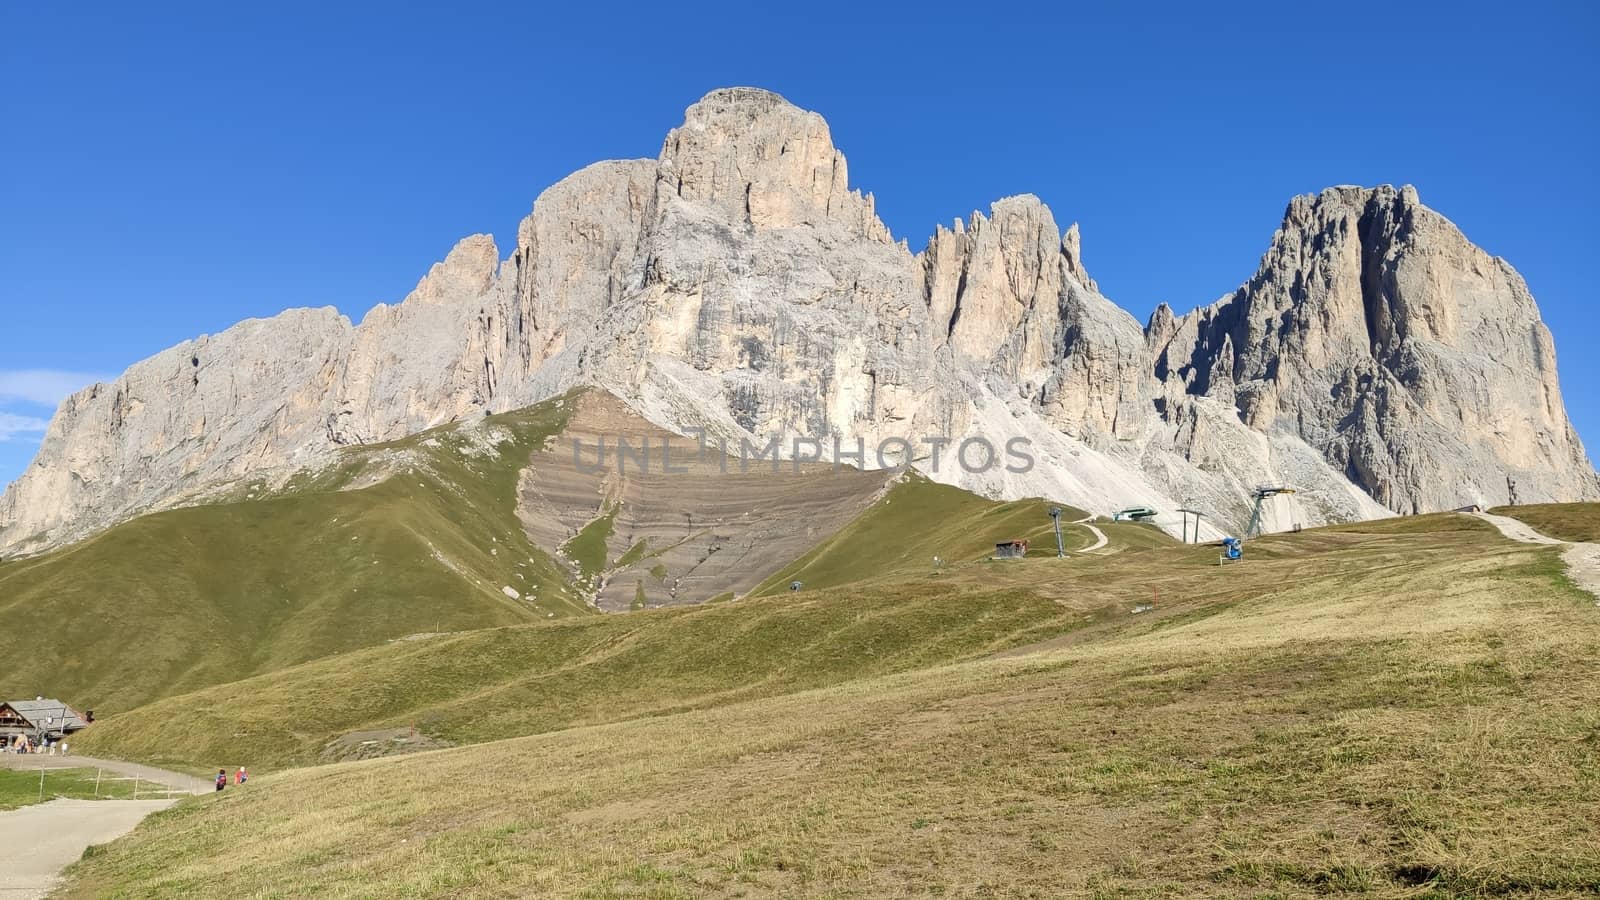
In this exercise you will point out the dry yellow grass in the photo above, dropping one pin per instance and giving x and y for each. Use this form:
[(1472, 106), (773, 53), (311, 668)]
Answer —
[(1408, 709), (1562, 521)]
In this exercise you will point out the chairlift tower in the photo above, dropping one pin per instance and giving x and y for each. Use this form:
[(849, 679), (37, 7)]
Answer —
[(1262, 492), (1198, 515), (1055, 516)]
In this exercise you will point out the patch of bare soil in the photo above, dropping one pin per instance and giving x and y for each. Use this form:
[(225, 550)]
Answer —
[(382, 742), (709, 527)]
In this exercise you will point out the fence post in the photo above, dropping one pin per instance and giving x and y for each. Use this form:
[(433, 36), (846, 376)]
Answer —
[(97, 774), (135, 787), (41, 784)]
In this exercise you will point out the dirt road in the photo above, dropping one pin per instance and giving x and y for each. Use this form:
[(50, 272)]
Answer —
[(37, 842), (1583, 560), (1100, 539)]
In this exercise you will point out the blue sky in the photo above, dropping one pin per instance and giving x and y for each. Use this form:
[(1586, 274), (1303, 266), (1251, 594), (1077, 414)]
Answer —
[(167, 172)]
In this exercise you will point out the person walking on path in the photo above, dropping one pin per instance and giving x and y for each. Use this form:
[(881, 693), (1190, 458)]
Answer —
[(241, 776), (222, 779)]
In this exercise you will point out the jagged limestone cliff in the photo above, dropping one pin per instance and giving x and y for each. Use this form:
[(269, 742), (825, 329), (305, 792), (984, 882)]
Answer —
[(1411, 359), (736, 283)]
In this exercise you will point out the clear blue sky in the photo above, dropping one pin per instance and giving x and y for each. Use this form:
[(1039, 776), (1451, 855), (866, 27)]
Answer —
[(167, 172)]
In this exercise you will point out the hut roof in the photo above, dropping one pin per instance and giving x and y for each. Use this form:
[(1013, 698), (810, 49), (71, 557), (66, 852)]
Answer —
[(64, 717)]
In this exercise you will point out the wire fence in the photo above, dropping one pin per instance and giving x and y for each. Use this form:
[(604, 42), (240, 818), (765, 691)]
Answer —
[(56, 782)]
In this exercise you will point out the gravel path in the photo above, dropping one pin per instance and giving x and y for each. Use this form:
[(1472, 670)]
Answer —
[(1583, 560), (37, 842), (1100, 538)]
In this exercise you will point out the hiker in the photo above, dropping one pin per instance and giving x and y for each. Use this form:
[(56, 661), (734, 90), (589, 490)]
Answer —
[(222, 779), (63, 748), (240, 776)]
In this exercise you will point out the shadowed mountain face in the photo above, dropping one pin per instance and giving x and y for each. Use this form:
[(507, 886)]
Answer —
[(1378, 360)]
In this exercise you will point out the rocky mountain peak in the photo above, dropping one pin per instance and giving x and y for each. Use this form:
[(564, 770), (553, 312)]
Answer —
[(1160, 328), (1377, 358), (467, 271), (994, 284), (1375, 329), (759, 158)]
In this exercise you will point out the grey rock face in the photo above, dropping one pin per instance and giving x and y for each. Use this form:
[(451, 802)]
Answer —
[(737, 284), (207, 410), (1408, 357)]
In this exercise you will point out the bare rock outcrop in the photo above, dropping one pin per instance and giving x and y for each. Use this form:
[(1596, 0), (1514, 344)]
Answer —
[(738, 284), (208, 410), (1411, 359)]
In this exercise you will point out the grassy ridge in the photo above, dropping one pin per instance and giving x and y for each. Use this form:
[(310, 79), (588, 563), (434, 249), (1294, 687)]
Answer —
[(1406, 709), (507, 682), (1576, 522), (917, 520), (179, 600)]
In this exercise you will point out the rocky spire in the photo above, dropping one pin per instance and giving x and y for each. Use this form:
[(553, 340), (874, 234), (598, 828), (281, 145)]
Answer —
[(1415, 361), (1072, 255), (994, 285)]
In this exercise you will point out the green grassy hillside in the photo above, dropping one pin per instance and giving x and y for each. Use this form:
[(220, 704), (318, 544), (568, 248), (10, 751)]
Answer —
[(179, 600), (1405, 708), (416, 536), (918, 520), (508, 682), (492, 684)]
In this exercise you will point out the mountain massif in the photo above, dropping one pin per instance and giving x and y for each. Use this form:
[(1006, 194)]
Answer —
[(736, 284)]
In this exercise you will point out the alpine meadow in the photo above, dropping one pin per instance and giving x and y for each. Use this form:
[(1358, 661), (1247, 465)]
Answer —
[(708, 538)]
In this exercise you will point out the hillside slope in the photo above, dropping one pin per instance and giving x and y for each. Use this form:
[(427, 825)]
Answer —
[(918, 521), (1405, 708), (416, 536), (469, 526), (646, 518), (865, 612), (508, 682)]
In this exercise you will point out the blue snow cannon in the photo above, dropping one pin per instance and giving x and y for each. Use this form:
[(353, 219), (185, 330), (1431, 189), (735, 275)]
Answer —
[(1232, 550)]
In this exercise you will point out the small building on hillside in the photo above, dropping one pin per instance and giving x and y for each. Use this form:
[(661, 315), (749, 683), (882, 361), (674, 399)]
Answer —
[(43, 716), (1011, 549)]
